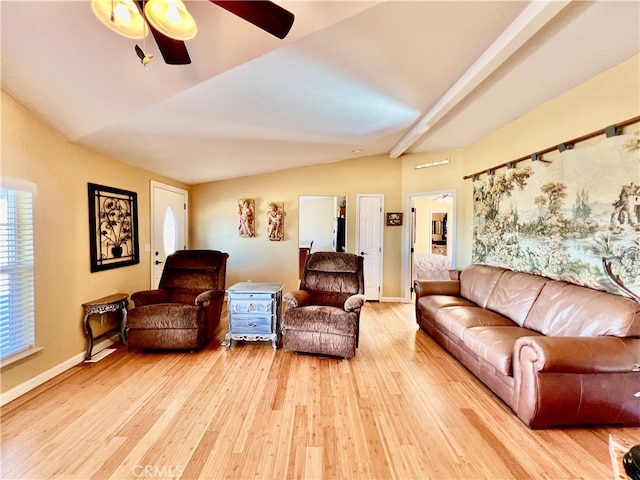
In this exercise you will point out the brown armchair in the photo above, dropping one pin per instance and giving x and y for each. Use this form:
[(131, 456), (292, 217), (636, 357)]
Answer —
[(323, 316), (183, 313)]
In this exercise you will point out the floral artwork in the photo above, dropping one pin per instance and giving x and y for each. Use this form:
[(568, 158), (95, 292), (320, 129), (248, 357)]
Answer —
[(246, 215), (113, 219), (275, 221), (560, 219)]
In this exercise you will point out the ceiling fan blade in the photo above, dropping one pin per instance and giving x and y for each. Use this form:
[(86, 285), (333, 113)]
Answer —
[(266, 15), (173, 51)]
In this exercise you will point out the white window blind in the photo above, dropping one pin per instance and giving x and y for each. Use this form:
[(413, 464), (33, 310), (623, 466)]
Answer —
[(16, 272)]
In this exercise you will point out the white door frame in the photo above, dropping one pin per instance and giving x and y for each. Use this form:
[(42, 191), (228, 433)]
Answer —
[(164, 186), (407, 235), (380, 233)]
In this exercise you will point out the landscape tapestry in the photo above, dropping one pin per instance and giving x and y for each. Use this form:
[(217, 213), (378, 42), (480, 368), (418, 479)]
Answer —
[(559, 218)]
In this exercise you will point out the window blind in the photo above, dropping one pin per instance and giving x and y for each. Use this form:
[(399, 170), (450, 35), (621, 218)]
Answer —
[(16, 272)]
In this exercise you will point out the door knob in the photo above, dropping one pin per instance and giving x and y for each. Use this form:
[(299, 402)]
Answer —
[(362, 253), (158, 262)]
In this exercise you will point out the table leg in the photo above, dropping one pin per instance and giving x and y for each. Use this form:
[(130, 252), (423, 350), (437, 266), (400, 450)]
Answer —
[(123, 323), (89, 333)]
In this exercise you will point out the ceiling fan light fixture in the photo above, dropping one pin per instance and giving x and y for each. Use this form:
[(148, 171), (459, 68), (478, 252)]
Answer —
[(121, 16), (171, 18)]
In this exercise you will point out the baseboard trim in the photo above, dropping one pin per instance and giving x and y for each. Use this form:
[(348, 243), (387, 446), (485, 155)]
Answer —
[(394, 299), (38, 380)]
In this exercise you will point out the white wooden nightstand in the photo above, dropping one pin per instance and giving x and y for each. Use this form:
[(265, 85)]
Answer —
[(255, 312)]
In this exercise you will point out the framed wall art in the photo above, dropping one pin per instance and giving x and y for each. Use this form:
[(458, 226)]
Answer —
[(113, 227), (394, 219)]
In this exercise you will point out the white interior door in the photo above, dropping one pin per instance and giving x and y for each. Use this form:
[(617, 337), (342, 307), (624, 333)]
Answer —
[(369, 242), (168, 225)]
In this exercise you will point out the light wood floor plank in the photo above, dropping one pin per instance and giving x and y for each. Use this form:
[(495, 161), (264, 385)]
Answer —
[(403, 408)]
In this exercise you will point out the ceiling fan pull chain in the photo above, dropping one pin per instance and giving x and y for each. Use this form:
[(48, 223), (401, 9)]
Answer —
[(145, 57), (144, 29)]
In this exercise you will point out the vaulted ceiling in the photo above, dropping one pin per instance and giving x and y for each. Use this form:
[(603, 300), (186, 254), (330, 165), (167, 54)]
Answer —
[(352, 78)]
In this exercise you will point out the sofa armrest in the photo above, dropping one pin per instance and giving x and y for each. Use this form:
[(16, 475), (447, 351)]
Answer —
[(579, 354), (575, 380), (149, 297), (209, 296), (296, 298), (436, 287), (354, 303)]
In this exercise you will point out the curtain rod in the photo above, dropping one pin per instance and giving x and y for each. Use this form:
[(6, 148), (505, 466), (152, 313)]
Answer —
[(610, 131)]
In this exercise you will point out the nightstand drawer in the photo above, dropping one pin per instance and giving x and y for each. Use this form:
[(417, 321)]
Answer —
[(251, 305), (248, 324)]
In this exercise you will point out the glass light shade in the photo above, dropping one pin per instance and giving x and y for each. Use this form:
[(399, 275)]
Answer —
[(171, 18), (121, 16)]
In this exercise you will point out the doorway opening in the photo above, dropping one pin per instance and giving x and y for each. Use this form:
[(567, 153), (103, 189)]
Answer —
[(430, 247)]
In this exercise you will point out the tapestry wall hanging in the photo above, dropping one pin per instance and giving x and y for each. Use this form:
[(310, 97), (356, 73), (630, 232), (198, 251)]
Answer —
[(559, 219), (113, 227)]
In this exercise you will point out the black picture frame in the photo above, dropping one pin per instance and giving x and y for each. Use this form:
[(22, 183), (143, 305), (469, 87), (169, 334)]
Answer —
[(113, 227)]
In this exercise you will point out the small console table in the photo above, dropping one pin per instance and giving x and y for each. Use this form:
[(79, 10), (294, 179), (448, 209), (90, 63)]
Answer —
[(255, 312), (113, 303)]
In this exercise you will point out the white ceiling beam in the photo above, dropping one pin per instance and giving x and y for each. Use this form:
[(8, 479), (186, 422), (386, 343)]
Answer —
[(535, 16)]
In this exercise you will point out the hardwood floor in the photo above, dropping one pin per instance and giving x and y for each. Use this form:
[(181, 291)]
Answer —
[(402, 408)]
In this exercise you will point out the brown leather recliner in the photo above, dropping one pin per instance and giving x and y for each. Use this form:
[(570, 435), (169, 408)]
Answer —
[(183, 313), (323, 316)]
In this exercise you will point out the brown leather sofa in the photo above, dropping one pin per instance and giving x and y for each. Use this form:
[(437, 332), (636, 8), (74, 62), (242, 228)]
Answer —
[(556, 353)]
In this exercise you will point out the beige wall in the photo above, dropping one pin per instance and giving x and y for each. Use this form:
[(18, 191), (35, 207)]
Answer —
[(33, 152), (609, 98), (214, 216), (63, 281)]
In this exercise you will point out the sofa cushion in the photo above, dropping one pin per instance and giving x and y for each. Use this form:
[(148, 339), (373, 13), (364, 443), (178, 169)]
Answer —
[(163, 316), (186, 296), (514, 295), (564, 309), (321, 318), (432, 303), (330, 262), (330, 279), (477, 281), (457, 319), (328, 298), (203, 279), (494, 345)]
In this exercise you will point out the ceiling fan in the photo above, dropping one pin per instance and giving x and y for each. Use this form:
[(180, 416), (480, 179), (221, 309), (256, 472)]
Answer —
[(264, 14)]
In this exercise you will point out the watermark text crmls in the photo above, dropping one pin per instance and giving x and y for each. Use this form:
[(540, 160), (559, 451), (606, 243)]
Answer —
[(157, 471)]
